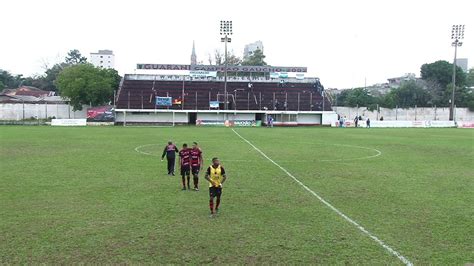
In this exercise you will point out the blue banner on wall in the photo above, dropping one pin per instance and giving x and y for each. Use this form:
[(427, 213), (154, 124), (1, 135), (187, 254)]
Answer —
[(164, 101), (214, 104)]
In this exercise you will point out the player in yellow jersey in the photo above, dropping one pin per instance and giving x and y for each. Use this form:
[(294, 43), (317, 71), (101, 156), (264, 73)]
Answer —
[(216, 176)]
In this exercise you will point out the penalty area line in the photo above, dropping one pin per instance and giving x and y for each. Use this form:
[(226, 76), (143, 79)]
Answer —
[(347, 218)]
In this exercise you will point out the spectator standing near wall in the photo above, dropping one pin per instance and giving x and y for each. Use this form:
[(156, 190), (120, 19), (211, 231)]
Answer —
[(269, 121)]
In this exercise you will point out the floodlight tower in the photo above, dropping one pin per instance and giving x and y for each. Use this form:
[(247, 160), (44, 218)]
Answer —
[(457, 34), (226, 30)]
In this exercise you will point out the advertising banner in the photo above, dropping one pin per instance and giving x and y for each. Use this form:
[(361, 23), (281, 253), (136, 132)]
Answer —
[(228, 123), (401, 123), (101, 114), (203, 74), (245, 123), (163, 101), (283, 75), (219, 123), (437, 123), (220, 68), (68, 122), (279, 75), (418, 124), (465, 124), (214, 104)]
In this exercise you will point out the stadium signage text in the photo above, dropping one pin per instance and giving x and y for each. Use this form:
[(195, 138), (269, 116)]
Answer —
[(228, 123), (253, 69), (198, 74), (69, 122)]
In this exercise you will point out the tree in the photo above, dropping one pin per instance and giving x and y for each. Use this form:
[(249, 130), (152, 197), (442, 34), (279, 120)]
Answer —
[(219, 58), (35, 81), (442, 72), (74, 57), (5, 78), (51, 75), (357, 97), (10, 81), (47, 80), (409, 94), (463, 97), (256, 59), (86, 84), (438, 76), (114, 75), (470, 78)]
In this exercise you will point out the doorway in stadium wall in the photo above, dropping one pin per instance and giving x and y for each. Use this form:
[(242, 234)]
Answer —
[(192, 118)]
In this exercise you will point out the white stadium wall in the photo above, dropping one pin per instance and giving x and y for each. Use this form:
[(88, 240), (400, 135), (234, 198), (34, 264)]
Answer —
[(151, 117), (211, 116), (229, 116), (406, 124), (18, 111), (202, 117), (410, 114), (308, 119), (242, 117)]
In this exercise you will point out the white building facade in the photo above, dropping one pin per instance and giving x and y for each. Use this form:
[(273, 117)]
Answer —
[(103, 59), (463, 64)]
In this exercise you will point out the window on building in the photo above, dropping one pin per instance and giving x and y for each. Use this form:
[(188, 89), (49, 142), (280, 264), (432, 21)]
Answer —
[(101, 56), (101, 62)]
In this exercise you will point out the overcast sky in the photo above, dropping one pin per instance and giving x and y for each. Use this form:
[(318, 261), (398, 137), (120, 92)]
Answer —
[(344, 42)]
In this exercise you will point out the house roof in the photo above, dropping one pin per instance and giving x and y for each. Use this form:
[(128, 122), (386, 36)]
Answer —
[(28, 88), (32, 93), (4, 98), (8, 99), (26, 98)]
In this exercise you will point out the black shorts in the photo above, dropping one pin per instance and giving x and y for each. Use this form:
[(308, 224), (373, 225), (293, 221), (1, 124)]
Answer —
[(185, 170), (215, 191), (196, 170)]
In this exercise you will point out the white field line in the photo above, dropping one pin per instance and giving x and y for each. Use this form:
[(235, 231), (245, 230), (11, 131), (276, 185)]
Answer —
[(137, 149), (378, 153), (352, 159), (347, 218)]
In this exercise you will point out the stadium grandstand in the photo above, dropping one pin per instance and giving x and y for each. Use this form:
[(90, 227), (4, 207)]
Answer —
[(291, 101), (139, 92)]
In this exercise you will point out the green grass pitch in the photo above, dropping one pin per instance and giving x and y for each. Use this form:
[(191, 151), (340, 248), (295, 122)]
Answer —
[(85, 195)]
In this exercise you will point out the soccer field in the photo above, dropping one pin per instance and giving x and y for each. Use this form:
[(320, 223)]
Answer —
[(101, 195)]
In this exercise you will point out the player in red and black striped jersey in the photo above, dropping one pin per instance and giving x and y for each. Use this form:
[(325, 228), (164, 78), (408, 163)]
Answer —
[(196, 164), (185, 163)]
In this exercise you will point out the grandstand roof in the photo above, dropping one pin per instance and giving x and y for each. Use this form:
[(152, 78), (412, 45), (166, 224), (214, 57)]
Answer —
[(4, 98), (217, 79)]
